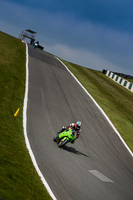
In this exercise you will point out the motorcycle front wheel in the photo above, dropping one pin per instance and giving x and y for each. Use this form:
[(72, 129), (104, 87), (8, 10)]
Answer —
[(62, 143)]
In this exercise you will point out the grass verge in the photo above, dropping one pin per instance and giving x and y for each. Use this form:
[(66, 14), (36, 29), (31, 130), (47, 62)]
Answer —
[(115, 100), (130, 80), (18, 177)]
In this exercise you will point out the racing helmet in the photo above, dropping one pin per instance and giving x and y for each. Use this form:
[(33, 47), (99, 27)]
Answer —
[(78, 125)]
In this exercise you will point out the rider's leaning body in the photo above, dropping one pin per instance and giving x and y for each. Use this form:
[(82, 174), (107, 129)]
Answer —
[(73, 126)]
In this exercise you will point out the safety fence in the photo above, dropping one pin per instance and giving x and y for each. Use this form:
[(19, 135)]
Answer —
[(120, 80)]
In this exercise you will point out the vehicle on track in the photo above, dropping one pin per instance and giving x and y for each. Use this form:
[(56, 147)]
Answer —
[(65, 137)]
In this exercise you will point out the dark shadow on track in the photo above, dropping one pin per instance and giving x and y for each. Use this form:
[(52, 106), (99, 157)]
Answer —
[(73, 150)]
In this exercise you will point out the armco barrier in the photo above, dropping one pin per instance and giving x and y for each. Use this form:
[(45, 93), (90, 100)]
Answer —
[(120, 80)]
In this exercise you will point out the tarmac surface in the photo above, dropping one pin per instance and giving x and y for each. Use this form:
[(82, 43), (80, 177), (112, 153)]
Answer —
[(97, 165)]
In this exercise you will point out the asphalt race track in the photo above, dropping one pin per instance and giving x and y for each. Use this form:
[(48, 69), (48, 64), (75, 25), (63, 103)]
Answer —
[(97, 165)]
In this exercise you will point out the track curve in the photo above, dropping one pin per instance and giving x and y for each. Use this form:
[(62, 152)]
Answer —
[(97, 165)]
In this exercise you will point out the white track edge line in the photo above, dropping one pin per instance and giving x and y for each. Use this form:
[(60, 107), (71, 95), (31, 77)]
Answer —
[(99, 109), (25, 130)]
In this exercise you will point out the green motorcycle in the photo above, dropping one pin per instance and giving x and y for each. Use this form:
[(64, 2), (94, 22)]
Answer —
[(66, 136)]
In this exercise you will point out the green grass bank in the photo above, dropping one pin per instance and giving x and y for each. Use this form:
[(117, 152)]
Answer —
[(18, 178), (115, 100)]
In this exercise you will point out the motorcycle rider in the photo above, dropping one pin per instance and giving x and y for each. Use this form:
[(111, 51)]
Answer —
[(74, 126)]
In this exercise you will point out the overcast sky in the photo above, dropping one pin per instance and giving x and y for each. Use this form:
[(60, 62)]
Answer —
[(93, 33)]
